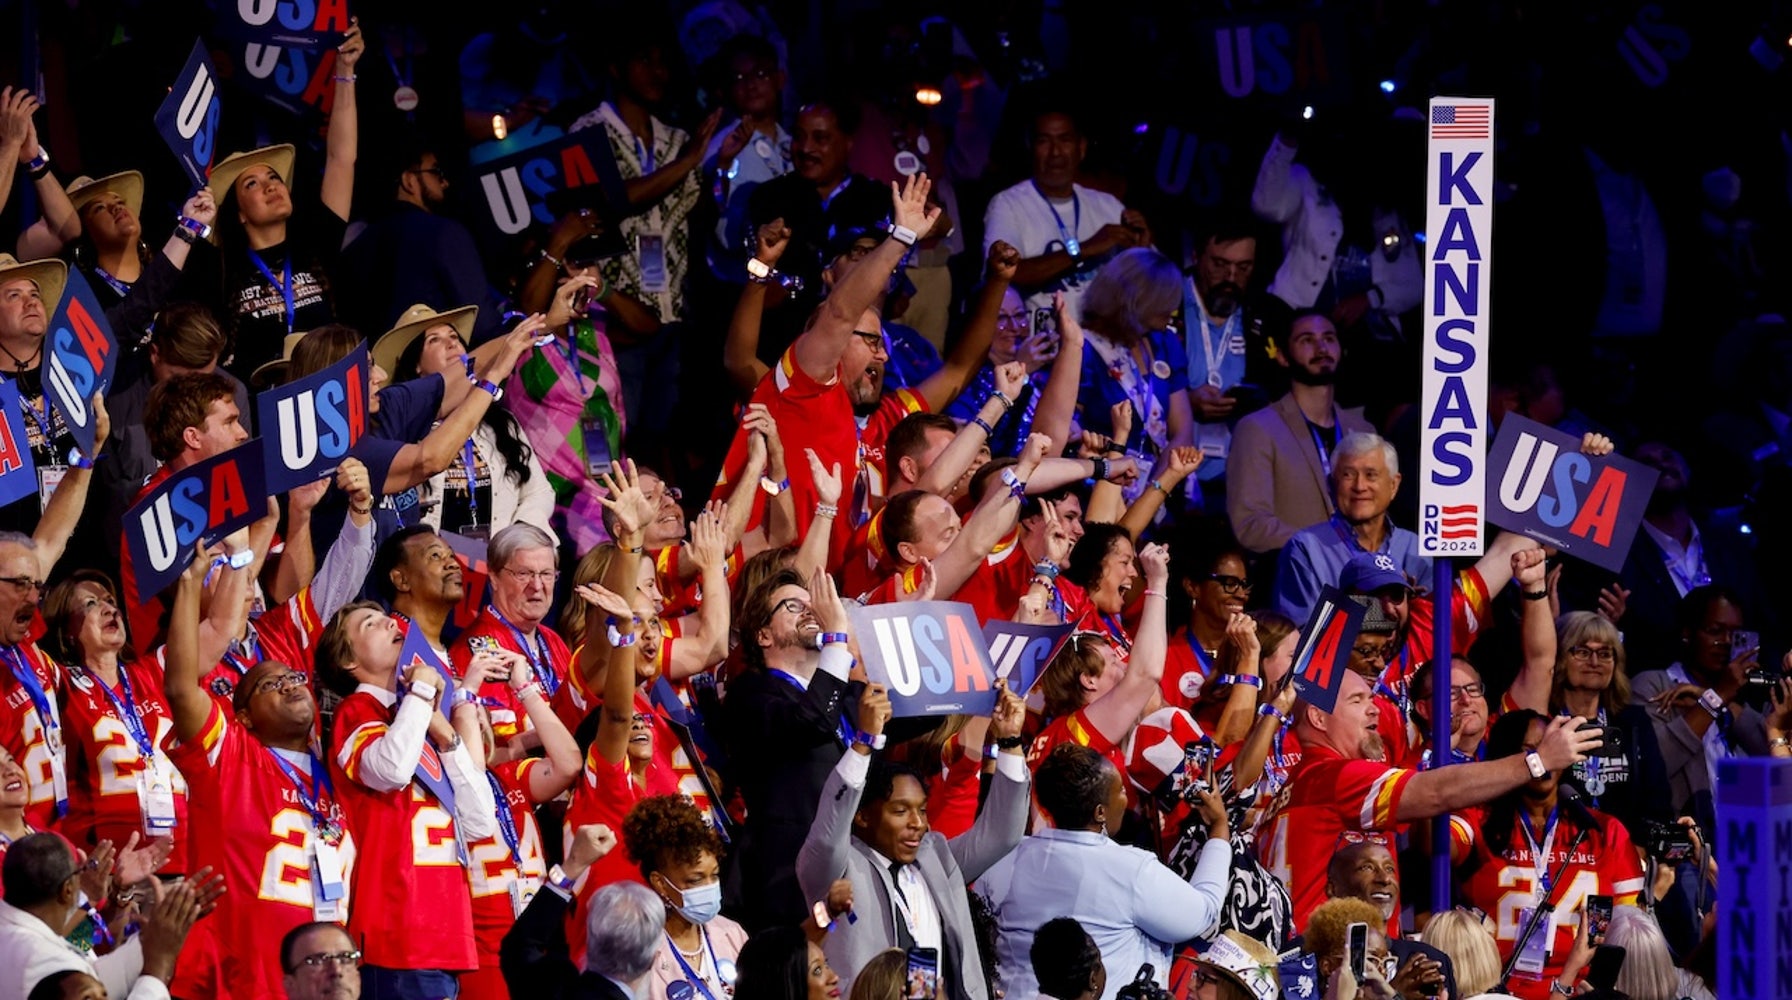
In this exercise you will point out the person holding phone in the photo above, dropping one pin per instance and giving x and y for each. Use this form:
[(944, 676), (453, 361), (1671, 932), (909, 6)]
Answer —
[(1346, 936)]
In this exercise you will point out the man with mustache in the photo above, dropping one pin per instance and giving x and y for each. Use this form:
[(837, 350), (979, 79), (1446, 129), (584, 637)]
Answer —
[(417, 576), (1214, 320), (29, 293), (1281, 457), (819, 196)]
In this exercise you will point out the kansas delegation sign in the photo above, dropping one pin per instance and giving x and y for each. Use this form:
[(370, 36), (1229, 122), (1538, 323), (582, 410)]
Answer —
[(1459, 219)]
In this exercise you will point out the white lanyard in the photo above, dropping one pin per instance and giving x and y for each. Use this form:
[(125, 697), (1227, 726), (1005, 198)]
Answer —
[(1215, 353), (1540, 852)]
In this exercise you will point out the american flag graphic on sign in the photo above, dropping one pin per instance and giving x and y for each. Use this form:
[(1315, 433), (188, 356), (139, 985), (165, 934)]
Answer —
[(1461, 121)]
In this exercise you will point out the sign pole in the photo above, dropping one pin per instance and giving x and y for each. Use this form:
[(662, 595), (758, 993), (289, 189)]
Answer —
[(1443, 581)]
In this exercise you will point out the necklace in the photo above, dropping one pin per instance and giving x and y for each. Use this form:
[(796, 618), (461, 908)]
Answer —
[(27, 363)]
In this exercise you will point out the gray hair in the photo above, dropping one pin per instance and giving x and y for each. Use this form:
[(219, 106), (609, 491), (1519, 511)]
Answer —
[(515, 538), (18, 538), (1363, 442), (622, 934), (1134, 285), (1648, 971)]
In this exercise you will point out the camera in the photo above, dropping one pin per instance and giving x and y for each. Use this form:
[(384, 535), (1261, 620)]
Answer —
[(1668, 843), (1143, 987), (1612, 735)]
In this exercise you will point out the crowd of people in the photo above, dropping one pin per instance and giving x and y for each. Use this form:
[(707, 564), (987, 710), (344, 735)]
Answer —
[(650, 762)]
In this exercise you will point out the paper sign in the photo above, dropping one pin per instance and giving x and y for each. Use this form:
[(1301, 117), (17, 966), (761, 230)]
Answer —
[(416, 651), (470, 553), (1587, 507), (930, 654), (309, 426), (516, 188), (188, 117), (201, 503), (1754, 843), (1458, 261), (1020, 652), (18, 469), (81, 357), (1325, 646)]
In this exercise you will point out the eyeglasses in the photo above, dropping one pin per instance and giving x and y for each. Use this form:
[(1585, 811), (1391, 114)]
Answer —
[(340, 959), (545, 577), (791, 605), (1461, 692), (673, 492), (431, 170), (641, 717), (1371, 652), (873, 339), (1602, 654), (281, 683), (1388, 964), (1231, 584), (23, 584), (1011, 321)]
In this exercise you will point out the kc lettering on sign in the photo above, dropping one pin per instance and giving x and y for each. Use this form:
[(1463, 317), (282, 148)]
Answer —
[(81, 358), (201, 503), (930, 654), (309, 426), (1453, 399), (188, 117)]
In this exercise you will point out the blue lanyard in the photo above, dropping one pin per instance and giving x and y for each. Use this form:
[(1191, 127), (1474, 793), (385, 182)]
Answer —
[(285, 289), (311, 799), (1541, 849), (126, 709), (1115, 631), (243, 653), (43, 420), (572, 357), (543, 665), (1325, 455), (469, 463), (644, 152), (1071, 245), (690, 973), (828, 199), (1201, 657), (27, 679), (507, 822), (121, 287), (844, 731)]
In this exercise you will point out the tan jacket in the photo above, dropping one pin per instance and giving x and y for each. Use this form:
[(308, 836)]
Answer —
[(1275, 482)]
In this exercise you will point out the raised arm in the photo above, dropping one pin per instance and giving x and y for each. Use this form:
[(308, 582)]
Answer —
[(1057, 402), (343, 569), (940, 388), (952, 463), (994, 517), (1249, 765), (1449, 789), (60, 224), (64, 509), (435, 453), (822, 858), (740, 352), (340, 145), (1114, 714), (298, 563), (17, 104), (812, 557), (560, 768), (1277, 194), (819, 348), (623, 497), (1537, 633), (1173, 466), (643, 192), (618, 708), (1236, 718), (188, 703), (707, 645)]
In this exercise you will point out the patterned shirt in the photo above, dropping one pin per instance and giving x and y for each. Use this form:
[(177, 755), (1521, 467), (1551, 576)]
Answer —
[(668, 217)]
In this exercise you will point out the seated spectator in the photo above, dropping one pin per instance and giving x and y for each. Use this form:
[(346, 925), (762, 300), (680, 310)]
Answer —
[(1697, 715), (1502, 874), (1327, 937), (1342, 787), (680, 857), (871, 828), (1365, 475), (321, 963), (782, 963), (1463, 935), (1132, 905), (1279, 471), (1367, 870), (1066, 961)]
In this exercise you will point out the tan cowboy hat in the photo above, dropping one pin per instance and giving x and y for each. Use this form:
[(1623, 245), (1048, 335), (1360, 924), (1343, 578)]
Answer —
[(1248, 963), (412, 324), (50, 274), (226, 171), (127, 185), (274, 372)]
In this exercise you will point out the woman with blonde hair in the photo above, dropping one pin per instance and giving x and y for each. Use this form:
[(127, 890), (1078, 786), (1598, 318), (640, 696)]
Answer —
[(885, 977), (1463, 935)]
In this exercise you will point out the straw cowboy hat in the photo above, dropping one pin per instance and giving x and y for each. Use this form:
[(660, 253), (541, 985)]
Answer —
[(226, 171), (50, 275), (128, 185), (413, 323), (274, 372)]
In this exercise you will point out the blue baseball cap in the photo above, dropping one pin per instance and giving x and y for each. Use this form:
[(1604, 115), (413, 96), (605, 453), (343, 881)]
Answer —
[(1368, 572)]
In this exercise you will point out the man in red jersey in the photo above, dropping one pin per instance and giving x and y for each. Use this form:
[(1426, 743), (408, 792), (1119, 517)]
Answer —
[(415, 796), (1342, 785), (30, 726), (271, 820), (523, 566)]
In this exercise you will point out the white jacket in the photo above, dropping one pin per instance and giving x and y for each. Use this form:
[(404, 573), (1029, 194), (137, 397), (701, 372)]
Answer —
[(30, 951), (533, 502)]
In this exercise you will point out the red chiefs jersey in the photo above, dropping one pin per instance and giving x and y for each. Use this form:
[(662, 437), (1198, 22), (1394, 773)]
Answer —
[(496, 864), (669, 567), (408, 855), (1327, 799), (865, 564), (819, 416), (24, 730), (605, 794), (282, 635), (575, 702), (105, 760), (952, 796), (1603, 864), (1074, 728), (545, 651), (257, 831), (1187, 670), (1469, 603), (998, 583)]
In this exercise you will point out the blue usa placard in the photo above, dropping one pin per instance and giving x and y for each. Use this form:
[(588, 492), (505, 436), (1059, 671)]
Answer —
[(305, 24), (188, 117), (415, 651), (201, 503), (1325, 646), (1542, 486), (930, 654), (308, 426), (516, 188), (81, 357), (1020, 652), (18, 470)]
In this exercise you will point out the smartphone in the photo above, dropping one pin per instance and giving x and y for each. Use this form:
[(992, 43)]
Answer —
[(1602, 971), (1599, 917), (1198, 756), (1356, 938), (1250, 397), (923, 973), (1744, 642), (1045, 321)]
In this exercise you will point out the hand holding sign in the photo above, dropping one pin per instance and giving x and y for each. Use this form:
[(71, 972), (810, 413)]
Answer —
[(1010, 715), (1323, 654), (874, 709)]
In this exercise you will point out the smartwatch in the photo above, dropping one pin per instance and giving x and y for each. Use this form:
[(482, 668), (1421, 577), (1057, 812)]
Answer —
[(772, 487), (902, 234), (1713, 702), (1535, 763)]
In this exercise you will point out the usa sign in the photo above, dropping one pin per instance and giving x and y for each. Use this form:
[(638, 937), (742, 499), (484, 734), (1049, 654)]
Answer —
[(201, 503), (309, 426), (188, 117), (286, 49), (1020, 652), (82, 357), (1453, 398), (1325, 646), (18, 470), (930, 654), (1587, 507), (516, 188)]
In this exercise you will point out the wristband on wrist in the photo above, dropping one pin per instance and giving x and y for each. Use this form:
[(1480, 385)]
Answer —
[(493, 389), (773, 487), (344, 79), (827, 510), (1007, 404), (1149, 592), (988, 431), (1541, 595), (39, 165), (1248, 680), (550, 258), (902, 235), (1101, 468), (1009, 742), (558, 878), (1047, 569), (361, 511), (831, 638), (194, 226), (1271, 710), (1158, 485), (877, 742), (184, 235), (1017, 487)]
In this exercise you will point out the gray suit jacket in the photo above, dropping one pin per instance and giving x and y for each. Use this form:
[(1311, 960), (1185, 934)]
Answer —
[(1275, 482), (1689, 778), (946, 867)]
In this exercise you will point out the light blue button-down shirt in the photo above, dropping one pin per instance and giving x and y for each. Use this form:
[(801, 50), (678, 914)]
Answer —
[(1135, 908), (1316, 556)]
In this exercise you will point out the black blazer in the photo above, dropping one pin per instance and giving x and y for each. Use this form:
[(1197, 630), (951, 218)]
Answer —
[(782, 744), (535, 960)]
